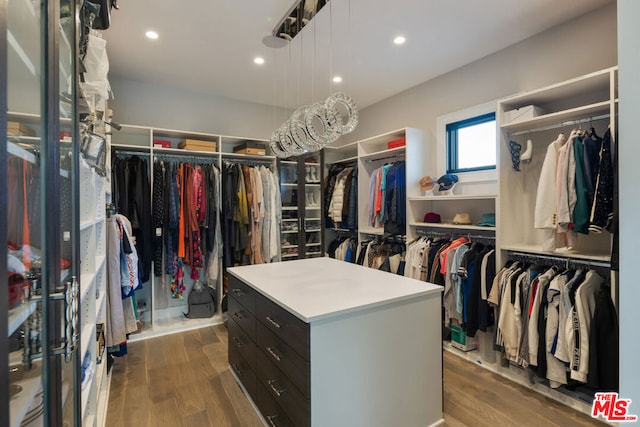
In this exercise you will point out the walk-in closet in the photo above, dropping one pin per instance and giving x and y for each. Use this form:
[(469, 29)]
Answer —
[(319, 213)]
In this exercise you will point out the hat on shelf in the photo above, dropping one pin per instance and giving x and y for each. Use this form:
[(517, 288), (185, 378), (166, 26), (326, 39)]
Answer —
[(427, 183), (462, 219), (487, 220), (447, 181), (431, 217)]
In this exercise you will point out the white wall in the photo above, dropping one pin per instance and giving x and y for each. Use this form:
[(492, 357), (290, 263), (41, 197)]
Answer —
[(148, 104), (585, 44), (629, 89)]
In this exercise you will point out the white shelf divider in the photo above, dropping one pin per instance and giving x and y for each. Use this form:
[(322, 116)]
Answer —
[(18, 315), (452, 226)]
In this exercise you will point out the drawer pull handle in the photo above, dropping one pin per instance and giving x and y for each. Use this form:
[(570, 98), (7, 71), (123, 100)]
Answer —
[(276, 390), (273, 353), (237, 369), (238, 315), (238, 292), (273, 322), (271, 419), (237, 341)]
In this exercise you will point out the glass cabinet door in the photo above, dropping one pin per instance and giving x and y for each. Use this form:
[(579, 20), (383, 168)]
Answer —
[(290, 226), (301, 193), (37, 217), (312, 219)]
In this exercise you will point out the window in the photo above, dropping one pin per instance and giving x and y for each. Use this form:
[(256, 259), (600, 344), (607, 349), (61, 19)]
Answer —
[(471, 144)]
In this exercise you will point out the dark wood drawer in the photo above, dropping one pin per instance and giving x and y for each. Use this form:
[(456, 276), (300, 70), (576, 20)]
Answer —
[(283, 391), (243, 317), (289, 362), (240, 340), (243, 293), (285, 325), (243, 371), (271, 411)]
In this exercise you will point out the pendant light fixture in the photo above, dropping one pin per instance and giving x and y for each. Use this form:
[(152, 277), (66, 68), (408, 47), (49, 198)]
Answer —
[(311, 127)]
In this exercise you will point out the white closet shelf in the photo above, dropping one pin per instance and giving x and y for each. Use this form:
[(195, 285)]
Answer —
[(383, 154), (86, 283), (289, 255), (583, 112), (573, 254), (288, 162), (141, 148), (99, 303), (165, 325), (18, 315), (87, 336), (288, 246), (455, 197), (289, 208), (289, 184), (308, 245), (86, 224), (597, 81), (19, 405), (184, 152), (289, 231), (248, 156), (345, 160), (451, 226), (371, 230), (15, 150)]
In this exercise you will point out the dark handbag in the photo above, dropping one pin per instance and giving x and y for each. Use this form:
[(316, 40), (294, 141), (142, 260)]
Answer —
[(102, 20), (202, 302)]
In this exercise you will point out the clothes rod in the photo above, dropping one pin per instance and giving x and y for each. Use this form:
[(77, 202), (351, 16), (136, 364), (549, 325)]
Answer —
[(561, 125), (127, 152), (249, 162), (426, 233), (560, 258), (397, 157)]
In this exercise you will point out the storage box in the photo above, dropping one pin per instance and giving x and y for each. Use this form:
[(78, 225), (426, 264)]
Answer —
[(161, 143), (522, 114), (396, 143), (197, 145), (255, 148), (100, 342), (459, 338), (19, 129)]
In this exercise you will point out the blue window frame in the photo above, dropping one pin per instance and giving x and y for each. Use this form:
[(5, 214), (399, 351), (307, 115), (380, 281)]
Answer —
[(471, 144)]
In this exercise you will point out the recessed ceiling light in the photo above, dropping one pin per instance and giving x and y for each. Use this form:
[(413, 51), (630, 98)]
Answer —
[(337, 79), (399, 40), (258, 60), (151, 34)]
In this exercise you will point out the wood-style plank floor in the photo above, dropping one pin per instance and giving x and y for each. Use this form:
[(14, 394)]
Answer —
[(184, 380)]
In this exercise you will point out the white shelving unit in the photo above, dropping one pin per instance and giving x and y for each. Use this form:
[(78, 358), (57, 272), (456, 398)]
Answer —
[(371, 153), (586, 101), (93, 281), (590, 100), (163, 314)]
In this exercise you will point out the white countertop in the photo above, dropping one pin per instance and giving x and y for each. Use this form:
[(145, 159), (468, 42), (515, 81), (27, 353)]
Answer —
[(320, 288)]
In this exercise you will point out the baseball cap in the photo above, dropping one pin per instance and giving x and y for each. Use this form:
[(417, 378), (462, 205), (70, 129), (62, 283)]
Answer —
[(447, 181), (431, 217), (487, 220)]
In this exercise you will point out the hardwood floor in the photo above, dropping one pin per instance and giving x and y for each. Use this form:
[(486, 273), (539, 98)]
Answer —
[(184, 380)]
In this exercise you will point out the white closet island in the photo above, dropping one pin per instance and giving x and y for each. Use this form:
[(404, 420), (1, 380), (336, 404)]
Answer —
[(323, 342)]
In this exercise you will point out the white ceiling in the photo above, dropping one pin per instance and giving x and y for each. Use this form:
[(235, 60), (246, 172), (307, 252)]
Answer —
[(208, 45)]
